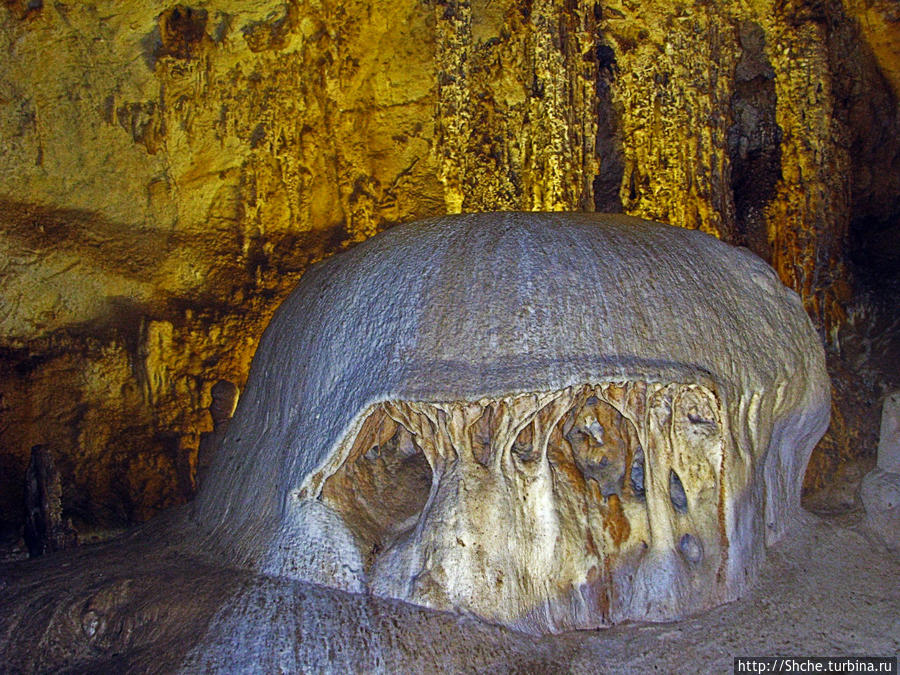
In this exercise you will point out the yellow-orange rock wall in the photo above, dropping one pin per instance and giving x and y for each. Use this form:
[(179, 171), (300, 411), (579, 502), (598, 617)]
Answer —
[(167, 171)]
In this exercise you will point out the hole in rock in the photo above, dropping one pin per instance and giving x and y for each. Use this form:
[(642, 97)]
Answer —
[(602, 442), (637, 473), (691, 548), (481, 433), (524, 448), (383, 486), (676, 492)]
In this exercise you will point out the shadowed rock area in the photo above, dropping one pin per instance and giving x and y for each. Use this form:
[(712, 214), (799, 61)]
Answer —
[(142, 605)]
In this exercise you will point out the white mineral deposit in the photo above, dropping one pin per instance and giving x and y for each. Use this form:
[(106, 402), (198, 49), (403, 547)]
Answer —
[(468, 438), (548, 421)]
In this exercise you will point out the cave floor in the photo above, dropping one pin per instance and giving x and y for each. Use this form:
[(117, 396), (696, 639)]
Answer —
[(139, 604)]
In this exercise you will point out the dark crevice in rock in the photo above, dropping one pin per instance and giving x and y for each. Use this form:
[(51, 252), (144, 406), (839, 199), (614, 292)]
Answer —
[(754, 141), (676, 492), (636, 475), (608, 181), (45, 528)]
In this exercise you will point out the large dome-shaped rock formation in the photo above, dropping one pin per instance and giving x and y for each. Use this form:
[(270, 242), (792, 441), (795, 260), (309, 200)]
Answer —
[(551, 421)]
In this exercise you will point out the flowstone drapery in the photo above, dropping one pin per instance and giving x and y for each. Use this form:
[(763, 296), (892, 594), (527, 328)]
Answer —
[(543, 504), (551, 421)]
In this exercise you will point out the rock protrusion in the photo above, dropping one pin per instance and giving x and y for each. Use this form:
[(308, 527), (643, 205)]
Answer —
[(889, 440), (45, 529), (880, 489), (224, 400), (480, 451)]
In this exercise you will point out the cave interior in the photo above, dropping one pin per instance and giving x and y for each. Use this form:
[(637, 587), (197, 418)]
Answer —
[(169, 171)]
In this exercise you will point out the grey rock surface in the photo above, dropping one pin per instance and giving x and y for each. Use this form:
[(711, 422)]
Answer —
[(514, 323), (880, 488), (141, 605), (880, 494), (889, 437)]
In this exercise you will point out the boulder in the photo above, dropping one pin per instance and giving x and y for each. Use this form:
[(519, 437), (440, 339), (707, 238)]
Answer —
[(880, 488), (551, 421)]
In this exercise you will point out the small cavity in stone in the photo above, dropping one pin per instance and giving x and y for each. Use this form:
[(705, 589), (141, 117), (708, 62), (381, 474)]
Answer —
[(637, 473), (691, 548), (676, 492)]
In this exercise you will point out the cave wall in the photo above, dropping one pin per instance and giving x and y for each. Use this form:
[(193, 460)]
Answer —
[(167, 172)]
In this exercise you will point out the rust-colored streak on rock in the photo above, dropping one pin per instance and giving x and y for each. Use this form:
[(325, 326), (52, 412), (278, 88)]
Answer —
[(616, 522)]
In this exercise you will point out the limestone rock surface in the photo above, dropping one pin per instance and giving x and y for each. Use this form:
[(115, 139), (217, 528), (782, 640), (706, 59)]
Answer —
[(880, 489), (142, 606), (168, 170), (889, 438), (553, 421), (880, 493)]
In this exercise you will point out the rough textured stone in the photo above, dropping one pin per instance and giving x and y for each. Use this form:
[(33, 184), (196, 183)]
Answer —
[(168, 171), (447, 414), (889, 439), (224, 399), (880, 493), (880, 489), (45, 529), (141, 606)]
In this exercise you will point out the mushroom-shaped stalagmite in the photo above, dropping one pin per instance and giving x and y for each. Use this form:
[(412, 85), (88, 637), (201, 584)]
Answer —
[(550, 421)]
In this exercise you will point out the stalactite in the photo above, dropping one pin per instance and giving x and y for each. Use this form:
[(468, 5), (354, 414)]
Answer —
[(809, 215), (673, 90)]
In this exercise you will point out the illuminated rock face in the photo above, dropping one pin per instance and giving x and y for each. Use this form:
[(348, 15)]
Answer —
[(551, 421), (170, 169), (540, 510)]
